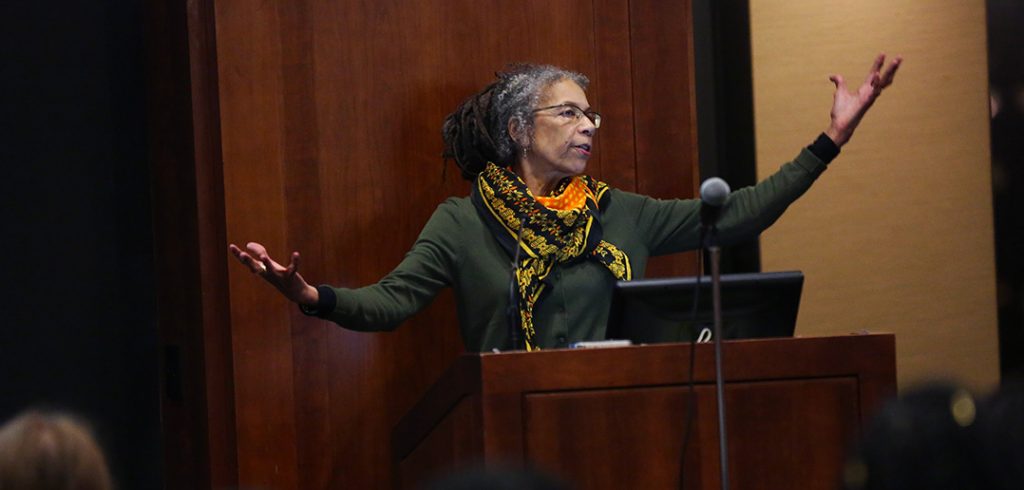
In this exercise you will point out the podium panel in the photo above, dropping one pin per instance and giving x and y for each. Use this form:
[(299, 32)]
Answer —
[(584, 436), (616, 418)]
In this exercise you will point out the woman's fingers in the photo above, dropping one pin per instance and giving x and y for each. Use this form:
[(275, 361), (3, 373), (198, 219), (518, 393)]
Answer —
[(235, 251), (838, 81), (256, 249), (256, 258), (260, 252), (879, 77), (890, 71), (247, 260), (254, 264), (263, 262), (876, 66), (285, 279), (874, 86)]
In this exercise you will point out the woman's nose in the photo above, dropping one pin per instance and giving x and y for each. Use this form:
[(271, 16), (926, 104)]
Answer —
[(587, 127)]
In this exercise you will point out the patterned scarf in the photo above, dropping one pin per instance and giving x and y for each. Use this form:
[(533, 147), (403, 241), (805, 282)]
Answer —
[(566, 232)]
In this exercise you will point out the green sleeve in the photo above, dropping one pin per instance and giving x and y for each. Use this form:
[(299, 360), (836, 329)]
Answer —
[(410, 287), (672, 226)]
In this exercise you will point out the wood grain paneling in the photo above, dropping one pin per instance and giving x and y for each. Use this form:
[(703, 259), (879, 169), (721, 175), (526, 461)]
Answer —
[(580, 436), (664, 110), (461, 447), (805, 413), (249, 53), (328, 127), (197, 397)]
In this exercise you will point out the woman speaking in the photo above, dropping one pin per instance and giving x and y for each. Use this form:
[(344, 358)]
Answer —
[(524, 142)]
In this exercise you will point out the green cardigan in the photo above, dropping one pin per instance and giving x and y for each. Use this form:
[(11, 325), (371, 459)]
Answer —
[(457, 249)]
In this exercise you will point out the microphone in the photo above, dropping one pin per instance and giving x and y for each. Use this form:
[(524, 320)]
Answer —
[(713, 194), (512, 310)]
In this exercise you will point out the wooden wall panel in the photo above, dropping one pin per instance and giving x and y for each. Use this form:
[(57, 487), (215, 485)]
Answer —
[(197, 395), (612, 91), (664, 109), (568, 432), (253, 141), (330, 115)]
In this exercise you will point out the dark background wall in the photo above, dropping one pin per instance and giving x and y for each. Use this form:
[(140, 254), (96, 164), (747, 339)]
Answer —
[(77, 330), (725, 108), (1006, 76)]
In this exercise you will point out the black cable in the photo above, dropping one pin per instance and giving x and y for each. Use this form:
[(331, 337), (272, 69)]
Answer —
[(691, 400)]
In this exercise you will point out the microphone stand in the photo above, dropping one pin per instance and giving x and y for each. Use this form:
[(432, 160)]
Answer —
[(716, 295)]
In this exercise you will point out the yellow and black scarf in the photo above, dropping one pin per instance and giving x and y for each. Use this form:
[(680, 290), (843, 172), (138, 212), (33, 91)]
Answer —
[(565, 232)]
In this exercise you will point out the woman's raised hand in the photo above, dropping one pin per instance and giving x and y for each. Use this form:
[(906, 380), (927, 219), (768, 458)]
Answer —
[(848, 108), (287, 280)]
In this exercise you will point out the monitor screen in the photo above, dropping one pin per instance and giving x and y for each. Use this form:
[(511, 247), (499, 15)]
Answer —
[(754, 305)]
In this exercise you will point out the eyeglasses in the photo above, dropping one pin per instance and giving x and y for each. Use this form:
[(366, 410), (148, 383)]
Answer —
[(573, 113)]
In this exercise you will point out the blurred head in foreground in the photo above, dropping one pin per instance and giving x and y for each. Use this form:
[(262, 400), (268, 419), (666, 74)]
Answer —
[(937, 437), (50, 452)]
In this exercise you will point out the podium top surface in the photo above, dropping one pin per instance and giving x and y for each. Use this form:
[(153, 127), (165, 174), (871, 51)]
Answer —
[(748, 359)]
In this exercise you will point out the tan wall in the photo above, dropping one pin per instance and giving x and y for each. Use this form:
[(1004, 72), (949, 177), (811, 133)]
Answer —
[(897, 235)]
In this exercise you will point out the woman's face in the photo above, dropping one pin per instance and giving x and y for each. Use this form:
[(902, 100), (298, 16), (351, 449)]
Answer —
[(562, 137)]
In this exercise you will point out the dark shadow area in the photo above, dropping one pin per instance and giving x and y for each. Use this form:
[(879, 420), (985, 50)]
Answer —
[(725, 108), (940, 436), (78, 330), (1006, 78)]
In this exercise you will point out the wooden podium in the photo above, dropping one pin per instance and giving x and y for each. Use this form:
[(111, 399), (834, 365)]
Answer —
[(614, 418)]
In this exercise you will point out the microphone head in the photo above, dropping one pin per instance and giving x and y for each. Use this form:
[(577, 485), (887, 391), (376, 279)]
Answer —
[(714, 192)]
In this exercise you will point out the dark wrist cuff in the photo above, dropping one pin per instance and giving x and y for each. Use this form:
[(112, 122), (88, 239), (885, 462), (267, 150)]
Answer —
[(324, 306), (824, 148)]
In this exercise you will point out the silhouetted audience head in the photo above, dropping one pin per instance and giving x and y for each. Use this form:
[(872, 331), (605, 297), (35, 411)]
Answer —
[(941, 437), (1001, 430), (50, 452), (926, 439)]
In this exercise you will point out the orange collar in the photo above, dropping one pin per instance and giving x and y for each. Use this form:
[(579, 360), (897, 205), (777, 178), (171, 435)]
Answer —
[(574, 196)]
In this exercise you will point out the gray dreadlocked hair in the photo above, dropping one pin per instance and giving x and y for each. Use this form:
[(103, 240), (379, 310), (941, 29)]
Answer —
[(477, 131)]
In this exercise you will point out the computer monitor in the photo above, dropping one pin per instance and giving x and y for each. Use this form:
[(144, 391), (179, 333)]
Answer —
[(754, 305)]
